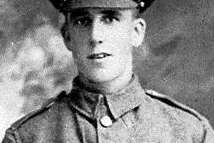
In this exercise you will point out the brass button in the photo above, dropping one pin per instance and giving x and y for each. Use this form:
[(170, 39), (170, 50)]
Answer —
[(142, 4), (106, 121)]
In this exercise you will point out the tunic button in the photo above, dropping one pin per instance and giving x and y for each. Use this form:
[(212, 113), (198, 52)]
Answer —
[(106, 121)]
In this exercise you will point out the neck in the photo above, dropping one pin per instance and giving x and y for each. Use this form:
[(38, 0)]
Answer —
[(111, 86)]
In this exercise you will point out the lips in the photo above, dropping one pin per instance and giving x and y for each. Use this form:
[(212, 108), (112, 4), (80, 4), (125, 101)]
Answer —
[(98, 56)]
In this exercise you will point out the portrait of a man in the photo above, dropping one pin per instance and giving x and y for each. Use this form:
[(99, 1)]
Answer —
[(107, 103)]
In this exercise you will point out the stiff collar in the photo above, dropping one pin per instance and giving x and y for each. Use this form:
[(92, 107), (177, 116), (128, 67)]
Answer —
[(86, 101)]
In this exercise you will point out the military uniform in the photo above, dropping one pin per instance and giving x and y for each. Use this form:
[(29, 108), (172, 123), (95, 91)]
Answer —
[(132, 115)]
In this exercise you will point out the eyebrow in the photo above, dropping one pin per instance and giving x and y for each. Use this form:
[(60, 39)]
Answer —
[(112, 13), (78, 12), (84, 12)]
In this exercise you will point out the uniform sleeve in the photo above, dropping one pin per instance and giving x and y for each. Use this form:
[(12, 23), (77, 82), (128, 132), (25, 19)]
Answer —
[(10, 137), (208, 133)]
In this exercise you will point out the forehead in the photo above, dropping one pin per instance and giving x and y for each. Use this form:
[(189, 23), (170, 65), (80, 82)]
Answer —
[(101, 11)]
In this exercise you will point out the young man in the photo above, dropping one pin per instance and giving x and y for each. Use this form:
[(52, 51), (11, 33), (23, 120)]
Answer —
[(107, 103)]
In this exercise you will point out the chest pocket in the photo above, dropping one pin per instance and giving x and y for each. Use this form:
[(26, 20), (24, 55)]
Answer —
[(146, 128)]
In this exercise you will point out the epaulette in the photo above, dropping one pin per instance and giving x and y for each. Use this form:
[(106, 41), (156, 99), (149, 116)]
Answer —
[(32, 114), (171, 102)]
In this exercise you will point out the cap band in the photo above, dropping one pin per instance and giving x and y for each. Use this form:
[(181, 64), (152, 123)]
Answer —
[(72, 4)]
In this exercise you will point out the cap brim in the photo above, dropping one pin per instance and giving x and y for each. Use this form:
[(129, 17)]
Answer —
[(74, 4)]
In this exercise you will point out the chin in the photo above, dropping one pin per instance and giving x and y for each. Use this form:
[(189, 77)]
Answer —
[(102, 76)]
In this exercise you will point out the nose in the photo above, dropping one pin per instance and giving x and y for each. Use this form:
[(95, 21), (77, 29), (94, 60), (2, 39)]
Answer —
[(97, 32)]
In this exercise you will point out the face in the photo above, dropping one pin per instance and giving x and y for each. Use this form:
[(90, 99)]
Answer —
[(102, 40)]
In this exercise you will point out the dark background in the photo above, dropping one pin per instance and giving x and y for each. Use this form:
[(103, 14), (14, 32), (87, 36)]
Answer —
[(176, 58)]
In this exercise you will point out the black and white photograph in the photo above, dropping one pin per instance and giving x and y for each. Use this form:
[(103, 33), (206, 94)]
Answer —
[(106, 71)]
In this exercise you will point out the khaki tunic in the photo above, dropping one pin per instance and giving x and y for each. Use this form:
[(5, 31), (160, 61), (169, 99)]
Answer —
[(131, 115)]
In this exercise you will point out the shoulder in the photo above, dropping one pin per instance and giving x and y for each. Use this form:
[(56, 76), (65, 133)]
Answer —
[(34, 116), (181, 118), (171, 103)]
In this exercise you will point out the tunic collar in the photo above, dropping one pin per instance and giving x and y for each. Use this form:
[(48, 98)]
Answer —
[(85, 100)]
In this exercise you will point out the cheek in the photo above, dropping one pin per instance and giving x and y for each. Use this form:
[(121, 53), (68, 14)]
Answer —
[(122, 43), (121, 35), (78, 36), (120, 38), (78, 43)]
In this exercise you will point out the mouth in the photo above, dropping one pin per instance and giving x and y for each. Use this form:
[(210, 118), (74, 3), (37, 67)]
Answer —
[(98, 56)]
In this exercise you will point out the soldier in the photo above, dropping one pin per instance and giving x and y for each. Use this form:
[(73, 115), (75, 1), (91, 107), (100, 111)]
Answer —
[(107, 103)]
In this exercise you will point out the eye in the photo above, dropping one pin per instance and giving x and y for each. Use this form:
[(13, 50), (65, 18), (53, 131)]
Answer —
[(108, 19), (82, 21)]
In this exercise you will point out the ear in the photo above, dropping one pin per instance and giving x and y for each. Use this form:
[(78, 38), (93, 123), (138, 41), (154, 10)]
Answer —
[(138, 32), (66, 37)]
